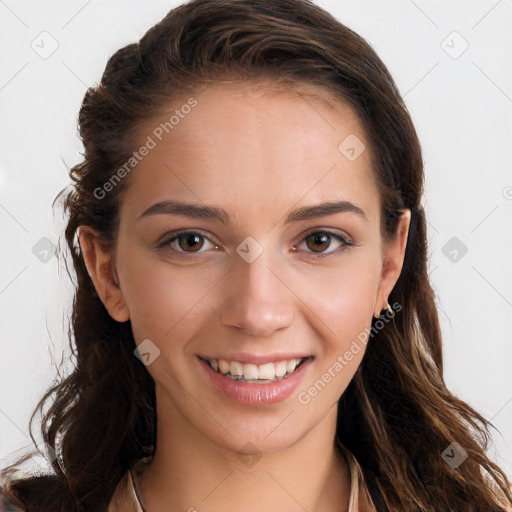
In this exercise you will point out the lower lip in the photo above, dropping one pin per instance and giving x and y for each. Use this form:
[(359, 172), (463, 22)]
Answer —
[(257, 394)]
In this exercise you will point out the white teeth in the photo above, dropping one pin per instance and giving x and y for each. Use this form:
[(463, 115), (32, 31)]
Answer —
[(280, 368), (223, 366), (291, 365), (266, 371), (235, 368), (250, 372)]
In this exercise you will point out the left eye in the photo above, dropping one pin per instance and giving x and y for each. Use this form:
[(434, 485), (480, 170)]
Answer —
[(322, 240), (182, 241)]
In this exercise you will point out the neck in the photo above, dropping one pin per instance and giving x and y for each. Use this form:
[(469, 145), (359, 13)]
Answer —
[(190, 472)]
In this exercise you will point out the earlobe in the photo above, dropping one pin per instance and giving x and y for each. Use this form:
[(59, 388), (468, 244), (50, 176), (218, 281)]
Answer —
[(101, 269), (392, 262)]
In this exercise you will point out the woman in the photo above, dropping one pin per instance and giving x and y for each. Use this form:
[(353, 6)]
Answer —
[(253, 320)]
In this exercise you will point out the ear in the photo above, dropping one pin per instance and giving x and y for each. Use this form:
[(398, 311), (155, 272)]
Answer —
[(101, 269), (392, 262)]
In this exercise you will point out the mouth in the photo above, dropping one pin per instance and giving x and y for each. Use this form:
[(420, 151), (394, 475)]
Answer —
[(256, 373)]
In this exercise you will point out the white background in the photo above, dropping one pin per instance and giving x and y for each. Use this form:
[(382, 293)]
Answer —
[(462, 109)]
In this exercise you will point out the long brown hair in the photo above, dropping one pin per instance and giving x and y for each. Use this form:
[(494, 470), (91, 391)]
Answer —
[(396, 417)]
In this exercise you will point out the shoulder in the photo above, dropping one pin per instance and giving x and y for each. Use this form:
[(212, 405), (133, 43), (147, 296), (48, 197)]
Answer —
[(8, 503), (123, 499), (359, 497), (28, 491), (364, 504)]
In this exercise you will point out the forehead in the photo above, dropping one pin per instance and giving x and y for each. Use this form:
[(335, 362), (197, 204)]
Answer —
[(254, 147)]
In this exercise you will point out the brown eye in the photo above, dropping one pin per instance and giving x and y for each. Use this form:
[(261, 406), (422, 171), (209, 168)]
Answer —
[(319, 242), (192, 241), (185, 243)]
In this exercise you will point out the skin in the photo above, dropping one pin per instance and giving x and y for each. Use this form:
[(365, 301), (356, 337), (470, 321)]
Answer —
[(258, 153)]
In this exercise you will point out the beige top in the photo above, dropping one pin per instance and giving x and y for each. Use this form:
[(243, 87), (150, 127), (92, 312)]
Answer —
[(125, 496)]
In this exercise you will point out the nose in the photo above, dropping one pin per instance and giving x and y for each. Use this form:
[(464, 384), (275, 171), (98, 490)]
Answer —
[(258, 299)]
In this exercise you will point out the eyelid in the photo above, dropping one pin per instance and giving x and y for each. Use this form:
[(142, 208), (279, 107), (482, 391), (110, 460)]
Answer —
[(167, 239), (346, 238), (346, 241)]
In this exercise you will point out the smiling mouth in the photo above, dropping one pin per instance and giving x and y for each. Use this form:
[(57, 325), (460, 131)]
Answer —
[(254, 373)]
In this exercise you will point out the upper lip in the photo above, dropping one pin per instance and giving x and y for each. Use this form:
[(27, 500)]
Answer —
[(244, 357)]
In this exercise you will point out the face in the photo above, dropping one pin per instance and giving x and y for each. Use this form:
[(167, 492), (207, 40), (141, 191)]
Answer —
[(255, 277)]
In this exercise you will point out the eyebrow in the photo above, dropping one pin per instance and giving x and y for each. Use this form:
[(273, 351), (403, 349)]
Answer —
[(199, 211)]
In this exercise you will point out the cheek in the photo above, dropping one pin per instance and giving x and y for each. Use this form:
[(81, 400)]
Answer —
[(163, 301), (354, 301), (343, 295), (166, 301), (344, 300), (345, 305)]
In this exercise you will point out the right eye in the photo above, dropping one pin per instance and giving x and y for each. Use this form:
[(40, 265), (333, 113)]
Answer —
[(180, 241)]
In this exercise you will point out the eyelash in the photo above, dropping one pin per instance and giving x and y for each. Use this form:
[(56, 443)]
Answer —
[(188, 255)]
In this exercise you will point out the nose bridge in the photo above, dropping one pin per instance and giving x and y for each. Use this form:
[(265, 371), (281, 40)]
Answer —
[(257, 301)]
